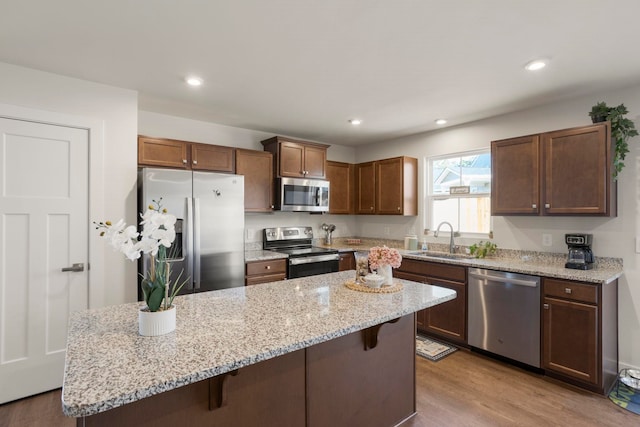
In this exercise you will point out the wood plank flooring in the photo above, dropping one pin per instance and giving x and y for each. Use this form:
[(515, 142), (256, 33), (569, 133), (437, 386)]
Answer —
[(463, 389)]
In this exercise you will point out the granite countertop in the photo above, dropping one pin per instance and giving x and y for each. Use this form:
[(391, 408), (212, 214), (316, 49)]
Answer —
[(526, 262), (262, 255), (108, 364)]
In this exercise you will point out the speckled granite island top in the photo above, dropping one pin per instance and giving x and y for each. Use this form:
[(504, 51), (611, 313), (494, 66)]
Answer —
[(109, 365)]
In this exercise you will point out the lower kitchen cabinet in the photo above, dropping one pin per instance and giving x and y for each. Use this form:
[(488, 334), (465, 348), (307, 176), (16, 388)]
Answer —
[(265, 271), (580, 333), (347, 261), (447, 320)]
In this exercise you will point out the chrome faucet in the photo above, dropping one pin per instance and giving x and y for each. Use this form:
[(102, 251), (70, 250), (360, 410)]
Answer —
[(452, 245)]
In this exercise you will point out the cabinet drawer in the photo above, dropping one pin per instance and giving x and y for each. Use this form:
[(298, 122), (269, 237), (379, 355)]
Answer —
[(571, 290), (434, 269), (266, 278), (273, 266)]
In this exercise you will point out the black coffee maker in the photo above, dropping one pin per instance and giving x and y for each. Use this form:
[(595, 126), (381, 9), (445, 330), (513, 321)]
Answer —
[(580, 255)]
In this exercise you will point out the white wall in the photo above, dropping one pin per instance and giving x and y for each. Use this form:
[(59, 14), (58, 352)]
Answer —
[(613, 237), (115, 110)]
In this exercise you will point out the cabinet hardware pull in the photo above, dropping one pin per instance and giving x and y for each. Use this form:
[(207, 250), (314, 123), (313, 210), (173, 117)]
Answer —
[(184, 161), (268, 267), (195, 162), (567, 290), (546, 306), (547, 205), (533, 206)]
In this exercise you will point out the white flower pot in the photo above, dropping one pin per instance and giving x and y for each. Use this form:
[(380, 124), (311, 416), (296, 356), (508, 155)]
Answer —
[(154, 323), (385, 271)]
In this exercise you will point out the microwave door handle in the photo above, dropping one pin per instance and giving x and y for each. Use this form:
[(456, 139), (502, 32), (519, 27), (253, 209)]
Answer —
[(318, 196)]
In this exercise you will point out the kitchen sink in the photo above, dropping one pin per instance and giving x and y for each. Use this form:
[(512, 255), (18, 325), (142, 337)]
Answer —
[(444, 255)]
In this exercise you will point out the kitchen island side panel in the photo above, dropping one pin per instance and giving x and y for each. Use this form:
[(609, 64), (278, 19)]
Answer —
[(348, 385)]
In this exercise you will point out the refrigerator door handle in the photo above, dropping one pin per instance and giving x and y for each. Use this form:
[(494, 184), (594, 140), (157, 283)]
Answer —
[(189, 242), (196, 242)]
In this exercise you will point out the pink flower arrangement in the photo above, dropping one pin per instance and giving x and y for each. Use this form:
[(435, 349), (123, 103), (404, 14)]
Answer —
[(383, 255)]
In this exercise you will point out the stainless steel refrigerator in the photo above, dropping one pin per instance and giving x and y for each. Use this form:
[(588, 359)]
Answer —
[(209, 244)]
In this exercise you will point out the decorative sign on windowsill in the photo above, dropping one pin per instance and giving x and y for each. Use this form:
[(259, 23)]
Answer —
[(460, 189)]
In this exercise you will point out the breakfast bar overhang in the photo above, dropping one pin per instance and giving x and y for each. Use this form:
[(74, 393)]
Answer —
[(301, 352)]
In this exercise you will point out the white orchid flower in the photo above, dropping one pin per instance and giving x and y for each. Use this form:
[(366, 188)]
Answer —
[(164, 237)]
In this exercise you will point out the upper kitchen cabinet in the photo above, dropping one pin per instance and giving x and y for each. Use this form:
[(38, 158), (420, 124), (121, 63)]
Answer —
[(171, 153), (163, 152), (565, 172), (206, 157), (387, 187), (341, 187), (515, 184), (297, 159), (257, 168)]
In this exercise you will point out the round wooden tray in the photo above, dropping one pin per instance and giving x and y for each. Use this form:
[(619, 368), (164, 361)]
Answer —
[(396, 287)]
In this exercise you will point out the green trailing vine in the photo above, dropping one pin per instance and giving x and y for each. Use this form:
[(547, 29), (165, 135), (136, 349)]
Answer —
[(622, 129)]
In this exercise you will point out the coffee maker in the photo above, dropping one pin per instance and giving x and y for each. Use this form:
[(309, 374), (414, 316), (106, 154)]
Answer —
[(580, 255)]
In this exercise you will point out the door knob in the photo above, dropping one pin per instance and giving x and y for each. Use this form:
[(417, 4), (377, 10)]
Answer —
[(75, 267)]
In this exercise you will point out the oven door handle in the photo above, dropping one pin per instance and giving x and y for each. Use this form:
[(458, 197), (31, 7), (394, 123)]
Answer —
[(312, 259)]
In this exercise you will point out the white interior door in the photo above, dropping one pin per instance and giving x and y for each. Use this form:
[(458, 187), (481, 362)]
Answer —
[(43, 229)]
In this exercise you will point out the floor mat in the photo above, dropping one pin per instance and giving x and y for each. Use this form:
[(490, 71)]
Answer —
[(432, 350), (626, 397)]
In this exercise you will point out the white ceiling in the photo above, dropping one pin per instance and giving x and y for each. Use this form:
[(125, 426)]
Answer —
[(303, 68)]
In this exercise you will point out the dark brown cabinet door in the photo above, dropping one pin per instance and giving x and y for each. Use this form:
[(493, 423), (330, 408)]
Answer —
[(347, 261), (160, 152), (515, 181), (207, 157), (389, 183), (340, 177), (422, 314), (570, 339), (257, 168), (365, 188), (315, 160), (291, 160), (448, 319), (577, 175)]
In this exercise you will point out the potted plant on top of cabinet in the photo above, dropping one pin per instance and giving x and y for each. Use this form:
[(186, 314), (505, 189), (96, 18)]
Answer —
[(622, 129)]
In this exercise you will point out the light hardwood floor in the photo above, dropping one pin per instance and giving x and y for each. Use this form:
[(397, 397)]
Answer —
[(463, 389)]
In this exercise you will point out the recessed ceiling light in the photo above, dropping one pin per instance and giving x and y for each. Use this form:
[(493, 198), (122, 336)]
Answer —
[(355, 122), (536, 65), (193, 81), (441, 121)]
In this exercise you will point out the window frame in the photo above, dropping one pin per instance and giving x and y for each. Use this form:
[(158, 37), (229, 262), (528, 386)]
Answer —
[(429, 197)]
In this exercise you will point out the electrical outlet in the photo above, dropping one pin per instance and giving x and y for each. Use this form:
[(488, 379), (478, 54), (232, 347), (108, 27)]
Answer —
[(250, 233), (546, 240), (638, 245), (386, 231)]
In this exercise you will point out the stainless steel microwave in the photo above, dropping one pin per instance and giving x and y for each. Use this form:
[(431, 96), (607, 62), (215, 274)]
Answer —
[(302, 195)]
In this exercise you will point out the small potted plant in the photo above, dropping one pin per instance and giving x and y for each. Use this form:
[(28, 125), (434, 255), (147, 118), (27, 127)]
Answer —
[(622, 129), (483, 249), (156, 238)]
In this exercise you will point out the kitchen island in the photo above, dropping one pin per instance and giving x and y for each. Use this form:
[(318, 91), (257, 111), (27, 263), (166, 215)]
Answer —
[(306, 351)]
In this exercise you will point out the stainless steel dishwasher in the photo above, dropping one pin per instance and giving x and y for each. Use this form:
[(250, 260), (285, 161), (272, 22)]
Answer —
[(504, 314)]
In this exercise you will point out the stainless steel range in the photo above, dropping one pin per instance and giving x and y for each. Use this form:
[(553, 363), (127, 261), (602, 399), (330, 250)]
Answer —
[(304, 258)]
